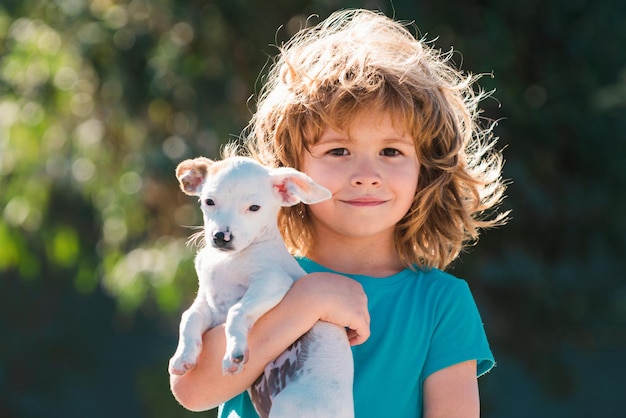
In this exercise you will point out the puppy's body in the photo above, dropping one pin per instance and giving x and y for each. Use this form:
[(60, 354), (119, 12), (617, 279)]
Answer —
[(223, 286), (244, 270)]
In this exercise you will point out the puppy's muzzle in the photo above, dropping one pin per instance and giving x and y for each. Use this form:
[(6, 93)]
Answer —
[(223, 240)]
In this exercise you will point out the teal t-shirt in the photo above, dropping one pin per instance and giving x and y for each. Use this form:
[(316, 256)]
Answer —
[(421, 322)]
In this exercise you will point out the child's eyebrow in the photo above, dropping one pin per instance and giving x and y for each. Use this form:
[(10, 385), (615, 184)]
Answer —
[(344, 138), (401, 139), (333, 137)]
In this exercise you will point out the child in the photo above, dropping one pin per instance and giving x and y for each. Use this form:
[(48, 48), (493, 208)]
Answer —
[(390, 127)]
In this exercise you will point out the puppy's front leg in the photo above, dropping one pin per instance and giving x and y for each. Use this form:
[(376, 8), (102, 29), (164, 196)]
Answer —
[(194, 322), (262, 295)]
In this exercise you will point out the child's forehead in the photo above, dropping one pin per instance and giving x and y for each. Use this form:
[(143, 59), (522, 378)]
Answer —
[(342, 128)]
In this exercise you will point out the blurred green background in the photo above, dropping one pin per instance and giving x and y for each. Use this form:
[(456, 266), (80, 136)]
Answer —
[(100, 99)]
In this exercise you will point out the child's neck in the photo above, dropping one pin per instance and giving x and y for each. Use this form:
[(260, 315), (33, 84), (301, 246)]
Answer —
[(369, 257)]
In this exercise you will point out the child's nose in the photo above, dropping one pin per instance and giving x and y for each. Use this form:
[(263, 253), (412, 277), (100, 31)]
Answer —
[(366, 174)]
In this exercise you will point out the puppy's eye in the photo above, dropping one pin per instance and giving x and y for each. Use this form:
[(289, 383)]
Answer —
[(209, 202), (254, 208)]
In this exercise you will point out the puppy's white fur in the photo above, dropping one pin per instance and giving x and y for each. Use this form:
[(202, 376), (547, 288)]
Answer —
[(244, 270)]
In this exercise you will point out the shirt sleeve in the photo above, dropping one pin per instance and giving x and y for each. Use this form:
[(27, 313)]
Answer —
[(238, 407), (458, 332)]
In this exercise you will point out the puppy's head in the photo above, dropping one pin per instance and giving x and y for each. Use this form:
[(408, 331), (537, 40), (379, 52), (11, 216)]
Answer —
[(240, 198)]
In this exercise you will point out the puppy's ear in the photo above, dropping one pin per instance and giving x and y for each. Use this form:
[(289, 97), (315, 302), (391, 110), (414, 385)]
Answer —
[(191, 175), (292, 186)]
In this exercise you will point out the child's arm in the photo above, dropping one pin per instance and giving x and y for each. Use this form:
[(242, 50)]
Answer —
[(319, 296), (452, 392)]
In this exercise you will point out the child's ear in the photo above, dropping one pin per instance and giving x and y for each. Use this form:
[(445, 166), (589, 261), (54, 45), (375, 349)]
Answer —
[(292, 187), (191, 175)]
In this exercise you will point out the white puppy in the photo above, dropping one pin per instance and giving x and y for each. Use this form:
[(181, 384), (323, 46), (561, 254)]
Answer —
[(244, 270)]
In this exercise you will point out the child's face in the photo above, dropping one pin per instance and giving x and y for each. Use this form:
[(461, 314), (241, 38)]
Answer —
[(371, 168)]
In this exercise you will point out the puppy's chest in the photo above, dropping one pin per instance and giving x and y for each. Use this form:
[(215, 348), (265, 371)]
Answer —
[(223, 282), (224, 295)]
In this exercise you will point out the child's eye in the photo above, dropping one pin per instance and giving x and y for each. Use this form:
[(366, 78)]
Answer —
[(254, 208), (338, 152), (390, 152), (209, 202)]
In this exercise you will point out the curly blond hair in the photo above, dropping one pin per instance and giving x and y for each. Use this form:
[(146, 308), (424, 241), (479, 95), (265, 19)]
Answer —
[(357, 59)]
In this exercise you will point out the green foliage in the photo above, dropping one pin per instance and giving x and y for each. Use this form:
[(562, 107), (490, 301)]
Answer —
[(100, 99)]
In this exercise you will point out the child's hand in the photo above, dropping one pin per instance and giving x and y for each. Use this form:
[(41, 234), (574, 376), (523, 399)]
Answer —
[(340, 300)]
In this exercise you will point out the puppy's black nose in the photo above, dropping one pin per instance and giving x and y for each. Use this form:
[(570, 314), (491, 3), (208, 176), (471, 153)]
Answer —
[(221, 239)]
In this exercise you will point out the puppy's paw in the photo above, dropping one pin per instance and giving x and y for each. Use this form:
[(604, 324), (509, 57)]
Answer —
[(180, 365), (233, 364), (185, 358)]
